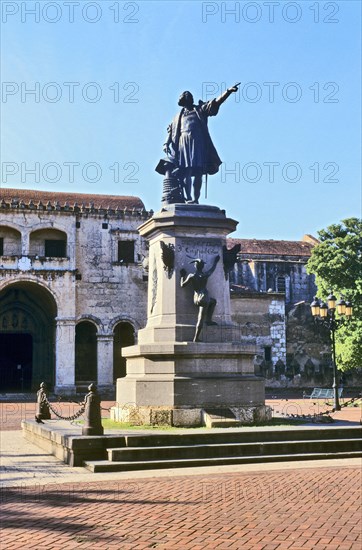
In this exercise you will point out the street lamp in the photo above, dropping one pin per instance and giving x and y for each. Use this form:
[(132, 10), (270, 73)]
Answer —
[(324, 313)]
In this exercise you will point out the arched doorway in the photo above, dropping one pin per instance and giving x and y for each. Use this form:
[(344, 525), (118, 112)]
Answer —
[(123, 336), (85, 353), (27, 337)]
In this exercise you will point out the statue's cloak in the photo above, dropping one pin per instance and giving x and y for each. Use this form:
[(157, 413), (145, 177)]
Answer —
[(190, 152)]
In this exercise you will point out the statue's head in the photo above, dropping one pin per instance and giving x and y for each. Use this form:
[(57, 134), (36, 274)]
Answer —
[(199, 264), (186, 99)]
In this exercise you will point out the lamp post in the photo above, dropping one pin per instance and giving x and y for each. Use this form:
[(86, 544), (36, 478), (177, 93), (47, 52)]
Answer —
[(325, 314)]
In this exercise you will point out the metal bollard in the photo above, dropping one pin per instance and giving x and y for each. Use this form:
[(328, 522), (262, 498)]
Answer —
[(42, 407), (92, 413)]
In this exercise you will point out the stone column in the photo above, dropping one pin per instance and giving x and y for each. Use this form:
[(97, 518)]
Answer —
[(65, 355), (105, 360)]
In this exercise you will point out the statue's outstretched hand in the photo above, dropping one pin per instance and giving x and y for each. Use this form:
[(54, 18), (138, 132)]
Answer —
[(235, 87), (183, 273), (166, 149)]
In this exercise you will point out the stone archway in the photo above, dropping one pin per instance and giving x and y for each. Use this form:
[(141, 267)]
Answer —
[(124, 335), (27, 337)]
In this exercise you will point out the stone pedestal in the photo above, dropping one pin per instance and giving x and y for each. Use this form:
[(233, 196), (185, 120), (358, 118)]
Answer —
[(171, 379)]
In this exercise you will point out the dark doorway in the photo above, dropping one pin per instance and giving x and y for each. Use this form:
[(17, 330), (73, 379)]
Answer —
[(27, 331), (16, 361), (85, 352), (123, 337)]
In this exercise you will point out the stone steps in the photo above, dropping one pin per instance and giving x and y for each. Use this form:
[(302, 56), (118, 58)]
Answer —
[(200, 447), (241, 436), (99, 466), (236, 447), (230, 450)]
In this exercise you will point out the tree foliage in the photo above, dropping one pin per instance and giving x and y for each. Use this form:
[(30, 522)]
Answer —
[(336, 263)]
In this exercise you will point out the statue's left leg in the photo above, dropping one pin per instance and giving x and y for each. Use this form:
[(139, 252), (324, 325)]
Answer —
[(200, 322), (210, 312), (197, 188), (187, 181)]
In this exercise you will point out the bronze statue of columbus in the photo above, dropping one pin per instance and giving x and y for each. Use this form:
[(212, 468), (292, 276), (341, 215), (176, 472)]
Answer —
[(189, 148)]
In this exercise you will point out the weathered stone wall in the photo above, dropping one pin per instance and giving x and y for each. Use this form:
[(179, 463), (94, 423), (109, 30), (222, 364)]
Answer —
[(308, 350), (261, 319), (108, 290)]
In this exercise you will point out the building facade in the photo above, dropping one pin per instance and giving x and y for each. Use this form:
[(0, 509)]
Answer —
[(275, 266), (72, 287)]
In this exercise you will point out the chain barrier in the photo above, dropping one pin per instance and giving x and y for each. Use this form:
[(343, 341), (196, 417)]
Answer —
[(43, 401), (70, 418), (90, 408), (60, 398), (315, 416)]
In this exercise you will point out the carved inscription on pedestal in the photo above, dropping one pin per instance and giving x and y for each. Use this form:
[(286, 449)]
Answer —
[(197, 248)]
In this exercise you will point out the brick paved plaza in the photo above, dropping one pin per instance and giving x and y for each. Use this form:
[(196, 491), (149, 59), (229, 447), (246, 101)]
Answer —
[(312, 508), (285, 506)]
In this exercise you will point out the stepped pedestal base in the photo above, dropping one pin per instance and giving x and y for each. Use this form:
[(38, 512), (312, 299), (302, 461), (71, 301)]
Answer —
[(172, 383)]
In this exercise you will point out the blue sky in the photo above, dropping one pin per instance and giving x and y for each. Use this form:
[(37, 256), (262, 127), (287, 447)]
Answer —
[(107, 76)]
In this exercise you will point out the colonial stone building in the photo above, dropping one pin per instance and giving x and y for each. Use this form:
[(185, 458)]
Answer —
[(72, 287), (268, 279), (73, 292), (275, 266)]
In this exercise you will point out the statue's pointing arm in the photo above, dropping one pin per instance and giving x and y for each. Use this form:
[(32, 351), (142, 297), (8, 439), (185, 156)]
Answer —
[(226, 94), (211, 108)]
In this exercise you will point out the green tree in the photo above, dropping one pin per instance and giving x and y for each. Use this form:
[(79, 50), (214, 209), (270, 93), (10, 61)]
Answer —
[(336, 263)]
